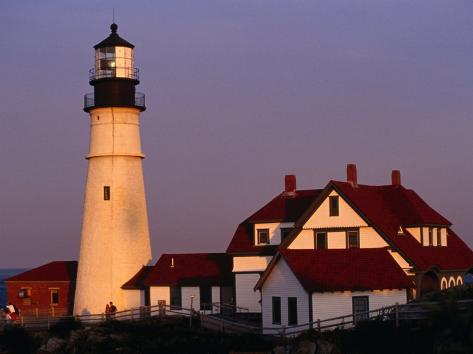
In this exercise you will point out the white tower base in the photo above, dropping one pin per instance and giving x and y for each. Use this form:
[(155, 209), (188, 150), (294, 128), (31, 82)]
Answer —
[(115, 238)]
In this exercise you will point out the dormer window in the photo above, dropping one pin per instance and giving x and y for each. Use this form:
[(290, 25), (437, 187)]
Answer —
[(262, 236), (333, 204)]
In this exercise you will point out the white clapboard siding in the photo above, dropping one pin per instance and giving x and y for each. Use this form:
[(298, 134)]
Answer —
[(304, 240), (250, 263), (339, 303), (283, 283), (321, 217), (246, 297), (158, 293), (187, 302), (215, 294), (133, 298)]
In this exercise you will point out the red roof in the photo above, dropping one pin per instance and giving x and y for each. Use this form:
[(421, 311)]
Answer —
[(283, 208), (137, 281), (54, 271), (354, 269), (191, 269), (389, 207)]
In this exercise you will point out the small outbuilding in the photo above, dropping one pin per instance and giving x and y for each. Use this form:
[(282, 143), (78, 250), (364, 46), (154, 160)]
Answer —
[(45, 290)]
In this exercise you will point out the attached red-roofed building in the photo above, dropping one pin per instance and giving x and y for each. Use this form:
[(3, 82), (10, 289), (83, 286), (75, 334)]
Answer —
[(301, 286), (45, 290), (189, 280)]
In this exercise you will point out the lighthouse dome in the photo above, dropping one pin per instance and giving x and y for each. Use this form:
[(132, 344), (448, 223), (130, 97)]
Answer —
[(114, 40)]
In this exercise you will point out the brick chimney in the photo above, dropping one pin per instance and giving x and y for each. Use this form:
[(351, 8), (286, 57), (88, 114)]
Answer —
[(351, 175), (290, 184), (396, 178)]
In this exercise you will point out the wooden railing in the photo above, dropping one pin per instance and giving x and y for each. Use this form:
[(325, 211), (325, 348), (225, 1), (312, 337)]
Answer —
[(215, 321)]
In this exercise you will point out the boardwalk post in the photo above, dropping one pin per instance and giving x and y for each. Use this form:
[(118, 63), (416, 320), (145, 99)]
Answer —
[(49, 324), (318, 325), (397, 314)]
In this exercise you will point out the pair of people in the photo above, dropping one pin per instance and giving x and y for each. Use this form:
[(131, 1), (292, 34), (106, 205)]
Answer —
[(110, 310)]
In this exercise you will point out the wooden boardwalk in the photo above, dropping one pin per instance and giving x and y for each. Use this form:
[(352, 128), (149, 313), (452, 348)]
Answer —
[(213, 319)]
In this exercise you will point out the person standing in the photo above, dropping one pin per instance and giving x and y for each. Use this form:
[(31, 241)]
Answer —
[(113, 310), (107, 312)]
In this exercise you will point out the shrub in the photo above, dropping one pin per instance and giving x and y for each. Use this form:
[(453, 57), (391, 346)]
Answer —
[(17, 340), (63, 327)]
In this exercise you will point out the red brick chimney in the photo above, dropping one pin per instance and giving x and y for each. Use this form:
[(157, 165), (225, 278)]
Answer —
[(351, 175), (290, 184), (396, 178)]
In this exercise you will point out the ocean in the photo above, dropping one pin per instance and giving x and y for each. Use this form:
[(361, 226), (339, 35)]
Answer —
[(4, 274)]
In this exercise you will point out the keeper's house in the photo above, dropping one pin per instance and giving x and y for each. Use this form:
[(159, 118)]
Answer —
[(344, 249)]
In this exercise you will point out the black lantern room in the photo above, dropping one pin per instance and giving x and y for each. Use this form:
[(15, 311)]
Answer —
[(114, 76)]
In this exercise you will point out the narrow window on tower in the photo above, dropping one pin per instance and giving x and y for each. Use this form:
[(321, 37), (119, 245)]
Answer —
[(106, 193), (431, 236)]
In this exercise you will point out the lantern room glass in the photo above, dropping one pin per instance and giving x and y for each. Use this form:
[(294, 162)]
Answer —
[(114, 62)]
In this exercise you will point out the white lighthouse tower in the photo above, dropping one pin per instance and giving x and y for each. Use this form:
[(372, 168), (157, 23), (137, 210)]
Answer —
[(115, 238)]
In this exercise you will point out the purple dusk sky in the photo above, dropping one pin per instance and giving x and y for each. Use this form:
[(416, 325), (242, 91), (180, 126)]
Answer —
[(239, 93)]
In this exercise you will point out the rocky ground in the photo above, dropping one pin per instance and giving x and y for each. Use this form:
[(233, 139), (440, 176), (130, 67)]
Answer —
[(171, 336)]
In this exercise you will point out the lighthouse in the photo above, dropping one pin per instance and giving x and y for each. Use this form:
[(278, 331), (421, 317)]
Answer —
[(115, 240)]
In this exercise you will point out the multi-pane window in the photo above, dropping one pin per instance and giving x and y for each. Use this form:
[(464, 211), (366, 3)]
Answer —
[(106, 193), (107, 58), (263, 236), (54, 296), (292, 311), (439, 236), (431, 236), (205, 298), (334, 205), (176, 298), (285, 231), (321, 240), (360, 307), (353, 239), (276, 307), (24, 293)]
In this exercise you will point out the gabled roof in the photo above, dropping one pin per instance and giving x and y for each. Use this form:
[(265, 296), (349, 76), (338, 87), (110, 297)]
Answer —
[(191, 269), (53, 271), (388, 207), (283, 208), (137, 281), (354, 269)]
